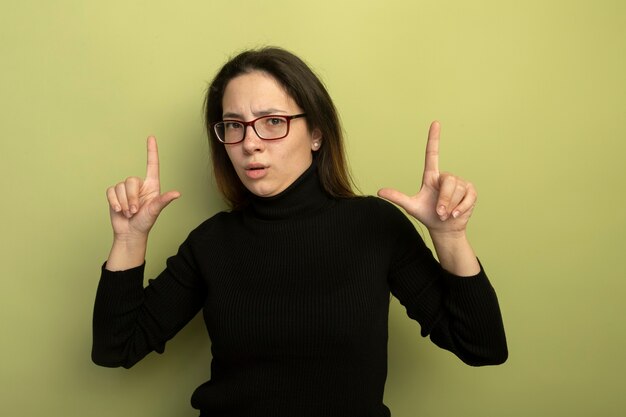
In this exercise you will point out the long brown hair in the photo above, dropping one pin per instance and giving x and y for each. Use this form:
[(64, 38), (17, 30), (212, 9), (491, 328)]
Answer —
[(308, 92)]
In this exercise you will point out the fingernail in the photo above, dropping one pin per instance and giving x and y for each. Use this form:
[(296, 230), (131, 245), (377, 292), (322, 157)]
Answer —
[(133, 209), (117, 209), (456, 214), (441, 210)]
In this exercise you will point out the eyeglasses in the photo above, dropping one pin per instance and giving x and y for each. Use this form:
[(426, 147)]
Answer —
[(269, 127)]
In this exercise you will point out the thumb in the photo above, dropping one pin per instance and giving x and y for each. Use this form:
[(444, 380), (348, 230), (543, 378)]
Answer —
[(163, 201), (395, 197)]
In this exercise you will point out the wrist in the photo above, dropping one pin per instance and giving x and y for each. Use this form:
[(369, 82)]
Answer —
[(455, 253), (130, 239), (127, 252), (448, 236)]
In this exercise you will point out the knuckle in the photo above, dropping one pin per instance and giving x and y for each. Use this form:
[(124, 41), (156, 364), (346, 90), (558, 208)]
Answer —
[(472, 191), (111, 196)]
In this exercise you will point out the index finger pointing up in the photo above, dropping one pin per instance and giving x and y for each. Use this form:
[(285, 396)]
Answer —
[(431, 163), (152, 170)]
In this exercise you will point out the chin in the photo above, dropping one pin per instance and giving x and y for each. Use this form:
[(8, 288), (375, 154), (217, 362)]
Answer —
[(261, 191)]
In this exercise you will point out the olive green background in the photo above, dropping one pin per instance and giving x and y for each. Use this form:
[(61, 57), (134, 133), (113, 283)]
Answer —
[(532, 100)]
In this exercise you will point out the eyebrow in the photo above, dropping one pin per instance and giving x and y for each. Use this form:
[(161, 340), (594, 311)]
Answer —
[(261, 113)]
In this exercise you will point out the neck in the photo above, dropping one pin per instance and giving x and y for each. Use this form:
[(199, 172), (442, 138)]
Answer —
[(304, 196)]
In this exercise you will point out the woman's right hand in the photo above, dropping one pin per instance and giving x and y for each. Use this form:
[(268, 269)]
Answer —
[(135, 204)]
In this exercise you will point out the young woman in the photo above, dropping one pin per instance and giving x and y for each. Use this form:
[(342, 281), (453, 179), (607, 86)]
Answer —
[(294, 281)]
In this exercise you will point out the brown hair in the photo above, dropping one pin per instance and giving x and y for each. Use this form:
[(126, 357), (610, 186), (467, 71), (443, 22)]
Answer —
[(308, 92)]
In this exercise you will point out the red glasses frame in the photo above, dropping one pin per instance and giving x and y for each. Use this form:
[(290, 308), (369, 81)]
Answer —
[(251, 124)]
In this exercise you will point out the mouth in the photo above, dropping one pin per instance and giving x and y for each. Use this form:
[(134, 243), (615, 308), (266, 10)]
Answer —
[(255, 171), (255, 167)]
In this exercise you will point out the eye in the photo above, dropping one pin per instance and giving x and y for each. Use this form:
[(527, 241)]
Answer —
[(275, 121), (232, 125)]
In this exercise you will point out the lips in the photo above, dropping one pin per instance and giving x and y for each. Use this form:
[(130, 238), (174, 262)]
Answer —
[(255, 170), (255, 165)]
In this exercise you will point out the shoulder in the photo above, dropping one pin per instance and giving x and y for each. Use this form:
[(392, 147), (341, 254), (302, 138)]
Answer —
[(376, 207), (214, 225), (376, 216), (390, 227)]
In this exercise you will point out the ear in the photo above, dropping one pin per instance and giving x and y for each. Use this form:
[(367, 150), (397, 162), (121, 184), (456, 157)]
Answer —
[(316, 139)]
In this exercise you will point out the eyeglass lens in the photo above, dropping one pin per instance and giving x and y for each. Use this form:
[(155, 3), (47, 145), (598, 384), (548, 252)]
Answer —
[(268, 127)]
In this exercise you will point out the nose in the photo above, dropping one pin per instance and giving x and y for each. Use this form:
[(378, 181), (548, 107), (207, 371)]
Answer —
[(251, 141)]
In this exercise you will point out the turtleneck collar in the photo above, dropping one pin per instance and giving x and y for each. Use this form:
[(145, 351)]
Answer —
[(305, 195)]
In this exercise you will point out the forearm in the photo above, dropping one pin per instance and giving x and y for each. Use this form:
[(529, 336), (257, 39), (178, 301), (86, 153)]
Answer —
[(118, 303), (456, 254), (470, 324), (127, 253), (131, 320)]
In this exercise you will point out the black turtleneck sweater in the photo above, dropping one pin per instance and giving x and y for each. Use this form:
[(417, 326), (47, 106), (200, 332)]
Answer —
[(295, 296)]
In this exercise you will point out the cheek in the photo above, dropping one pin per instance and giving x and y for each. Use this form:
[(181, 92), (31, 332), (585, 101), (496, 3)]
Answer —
[(231, 153), (300, 149), (294, 158), (235, 161)]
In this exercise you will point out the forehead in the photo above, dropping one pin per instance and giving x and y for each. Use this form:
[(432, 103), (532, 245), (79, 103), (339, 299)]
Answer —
[(254, 92)]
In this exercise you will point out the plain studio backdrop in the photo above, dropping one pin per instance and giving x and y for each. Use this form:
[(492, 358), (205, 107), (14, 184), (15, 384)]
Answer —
[(532, 101)]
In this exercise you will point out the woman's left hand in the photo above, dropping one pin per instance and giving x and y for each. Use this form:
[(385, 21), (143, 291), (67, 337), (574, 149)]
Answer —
[(444, 202)]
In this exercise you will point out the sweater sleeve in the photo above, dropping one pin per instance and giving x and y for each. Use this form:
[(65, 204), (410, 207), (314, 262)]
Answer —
[(130, 321), (460, 314)]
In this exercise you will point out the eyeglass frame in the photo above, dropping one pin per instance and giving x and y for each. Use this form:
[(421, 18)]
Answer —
[(251, 123)]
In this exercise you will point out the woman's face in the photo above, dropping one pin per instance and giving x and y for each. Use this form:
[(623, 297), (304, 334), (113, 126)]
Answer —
[(267, 167)]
